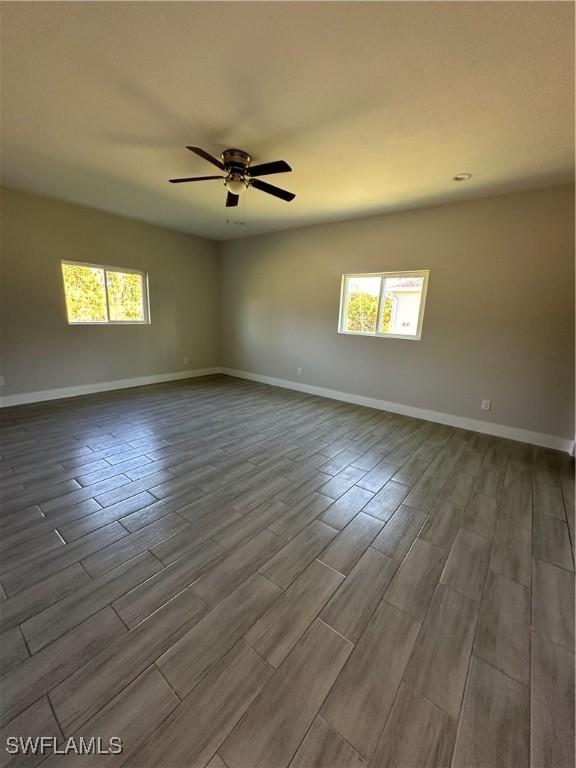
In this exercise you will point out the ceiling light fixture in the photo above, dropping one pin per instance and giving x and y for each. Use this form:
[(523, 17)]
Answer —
[(235, 185), (462, 176)]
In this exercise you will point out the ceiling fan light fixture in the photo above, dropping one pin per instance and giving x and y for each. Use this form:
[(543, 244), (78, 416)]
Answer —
[(235, 185)]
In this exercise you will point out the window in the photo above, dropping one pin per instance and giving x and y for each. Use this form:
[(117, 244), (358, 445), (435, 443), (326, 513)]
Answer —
[(386, 304), (104, 295)]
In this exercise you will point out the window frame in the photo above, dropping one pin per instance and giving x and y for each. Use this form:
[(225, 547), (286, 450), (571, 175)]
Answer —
[(105, 268), (424, 273)]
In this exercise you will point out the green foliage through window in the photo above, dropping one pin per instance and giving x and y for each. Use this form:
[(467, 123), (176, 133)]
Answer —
[(362, 313), (125, 296), (386, 322), (98, 295)]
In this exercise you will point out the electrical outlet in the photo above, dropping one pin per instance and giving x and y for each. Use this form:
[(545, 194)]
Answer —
[(486, 405), (185, 360), (299, 371)]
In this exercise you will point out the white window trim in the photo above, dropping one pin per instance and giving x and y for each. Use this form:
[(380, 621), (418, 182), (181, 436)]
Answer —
[(105, 268), (424, 273)]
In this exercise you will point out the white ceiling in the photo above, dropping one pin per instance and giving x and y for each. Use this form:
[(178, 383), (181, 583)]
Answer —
[(375, 105)]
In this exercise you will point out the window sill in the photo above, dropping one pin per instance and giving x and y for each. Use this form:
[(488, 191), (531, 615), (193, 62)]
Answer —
[(109, 322), (381, 335)]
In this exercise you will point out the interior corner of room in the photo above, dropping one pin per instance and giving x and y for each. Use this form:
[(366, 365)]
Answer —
[(497, 325)]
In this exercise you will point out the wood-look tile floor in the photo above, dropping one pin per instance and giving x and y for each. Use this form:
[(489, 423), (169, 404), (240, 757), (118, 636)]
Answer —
[(222, 573)]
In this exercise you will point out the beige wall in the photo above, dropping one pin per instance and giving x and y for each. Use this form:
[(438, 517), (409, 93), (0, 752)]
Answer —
[(499, 320), (41, 351)]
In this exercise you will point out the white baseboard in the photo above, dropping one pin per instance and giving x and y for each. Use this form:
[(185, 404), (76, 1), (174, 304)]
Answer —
[(103, 386), (462, 422)]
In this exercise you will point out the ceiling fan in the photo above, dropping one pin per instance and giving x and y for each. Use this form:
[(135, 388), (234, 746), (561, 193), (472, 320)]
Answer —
[(240, 174)]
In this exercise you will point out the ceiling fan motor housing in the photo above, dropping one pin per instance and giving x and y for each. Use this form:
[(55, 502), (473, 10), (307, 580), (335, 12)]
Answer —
[(236, 161)]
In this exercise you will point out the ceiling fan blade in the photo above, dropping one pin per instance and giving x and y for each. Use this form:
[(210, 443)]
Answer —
[(207, 156), (194, 178), (266, 169), (231, 200), (272, 190)]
